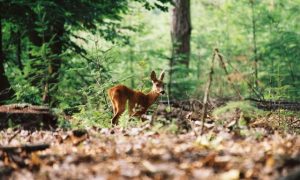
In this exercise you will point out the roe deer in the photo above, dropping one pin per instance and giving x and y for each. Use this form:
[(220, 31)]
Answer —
[(120, 94)]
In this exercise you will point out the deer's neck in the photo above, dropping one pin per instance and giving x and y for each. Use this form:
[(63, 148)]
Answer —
[(152, 97)]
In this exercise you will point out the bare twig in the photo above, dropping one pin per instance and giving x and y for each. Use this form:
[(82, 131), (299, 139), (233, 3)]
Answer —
[(14, 135), (204, 110)]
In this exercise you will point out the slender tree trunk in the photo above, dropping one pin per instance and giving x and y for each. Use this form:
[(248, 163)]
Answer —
[(131, 68), (19, 49), (181, 31), (254, 43), (198, 66), (207, 89), (171, 62), (5, 89)]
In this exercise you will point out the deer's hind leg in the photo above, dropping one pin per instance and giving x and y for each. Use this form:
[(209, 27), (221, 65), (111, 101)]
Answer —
[(119, 103), (110, 94)]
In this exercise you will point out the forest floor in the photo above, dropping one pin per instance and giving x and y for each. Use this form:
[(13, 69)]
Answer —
[(145, 153)]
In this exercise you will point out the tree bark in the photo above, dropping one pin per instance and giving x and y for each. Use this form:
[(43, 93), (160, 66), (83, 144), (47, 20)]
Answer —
[(181, 32), (5, 89), (19, 49)]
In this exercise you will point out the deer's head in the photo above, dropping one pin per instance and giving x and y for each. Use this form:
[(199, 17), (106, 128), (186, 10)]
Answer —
[(157, 84)]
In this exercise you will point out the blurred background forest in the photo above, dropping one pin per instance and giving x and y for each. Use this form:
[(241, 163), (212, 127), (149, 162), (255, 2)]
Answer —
[(66, 54)]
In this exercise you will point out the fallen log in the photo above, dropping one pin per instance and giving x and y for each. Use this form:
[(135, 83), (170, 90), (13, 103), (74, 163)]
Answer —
[(27, 116), (273, 105)]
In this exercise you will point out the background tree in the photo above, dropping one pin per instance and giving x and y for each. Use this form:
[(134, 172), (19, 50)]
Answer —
[(180, 33)]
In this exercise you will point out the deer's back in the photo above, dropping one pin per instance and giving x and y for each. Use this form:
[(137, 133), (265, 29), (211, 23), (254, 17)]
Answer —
[(125, 92)]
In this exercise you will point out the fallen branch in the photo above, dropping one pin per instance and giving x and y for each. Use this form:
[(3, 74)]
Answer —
[(27, 116), (26, 148), (14, 135), (273, 105)]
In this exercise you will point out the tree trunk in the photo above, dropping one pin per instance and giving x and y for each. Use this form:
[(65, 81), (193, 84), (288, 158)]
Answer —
[(19, 49), (131, 68), (254, 44), (181, 32), (5, 89)]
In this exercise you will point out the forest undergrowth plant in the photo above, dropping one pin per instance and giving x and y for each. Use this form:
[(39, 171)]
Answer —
[(93, 108), (95, 111)]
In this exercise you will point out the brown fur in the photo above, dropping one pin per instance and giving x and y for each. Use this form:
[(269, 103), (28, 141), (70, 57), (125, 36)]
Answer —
[(138, 102)]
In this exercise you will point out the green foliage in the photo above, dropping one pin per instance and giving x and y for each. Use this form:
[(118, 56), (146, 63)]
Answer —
[(89, 97), (51, 29), (228, 26)]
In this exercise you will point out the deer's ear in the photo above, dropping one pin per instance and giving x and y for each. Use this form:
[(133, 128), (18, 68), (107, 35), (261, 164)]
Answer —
[(153, 76), (162, 75)]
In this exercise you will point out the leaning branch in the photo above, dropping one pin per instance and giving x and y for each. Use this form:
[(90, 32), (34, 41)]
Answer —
[(206, 95), (221, 60)]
